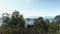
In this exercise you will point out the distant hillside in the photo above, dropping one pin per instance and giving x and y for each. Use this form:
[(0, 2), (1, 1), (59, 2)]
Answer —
[(57, 19)]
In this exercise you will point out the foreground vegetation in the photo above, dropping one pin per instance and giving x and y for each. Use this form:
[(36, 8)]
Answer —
[(15, 24)]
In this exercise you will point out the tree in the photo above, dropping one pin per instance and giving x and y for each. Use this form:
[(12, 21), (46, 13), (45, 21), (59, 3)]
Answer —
[(17, 20), (53, 27), (15, 23), (6, 19), (41, 25)]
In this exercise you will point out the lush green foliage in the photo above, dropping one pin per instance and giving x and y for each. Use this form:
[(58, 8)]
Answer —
[(15, 24)]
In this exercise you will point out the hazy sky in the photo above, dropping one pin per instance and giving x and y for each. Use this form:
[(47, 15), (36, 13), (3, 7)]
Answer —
[(31, 7)]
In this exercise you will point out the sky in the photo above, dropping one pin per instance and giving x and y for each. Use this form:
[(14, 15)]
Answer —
[(31, 7)]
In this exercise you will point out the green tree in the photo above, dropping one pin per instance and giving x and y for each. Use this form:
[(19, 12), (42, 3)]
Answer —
[(6, 19), (41, 25), (15, 23), (17, 20), (53, 27)]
